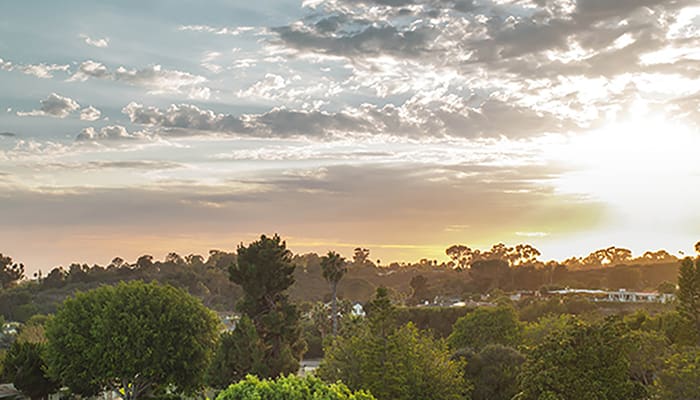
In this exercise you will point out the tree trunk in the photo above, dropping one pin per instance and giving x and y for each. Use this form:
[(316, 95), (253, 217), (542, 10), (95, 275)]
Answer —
[(334, 307)]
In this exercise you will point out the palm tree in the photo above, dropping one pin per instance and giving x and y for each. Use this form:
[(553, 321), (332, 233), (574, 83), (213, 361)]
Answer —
[(334, 267)]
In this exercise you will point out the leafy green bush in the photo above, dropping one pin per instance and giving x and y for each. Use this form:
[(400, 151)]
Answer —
[(290, 388)]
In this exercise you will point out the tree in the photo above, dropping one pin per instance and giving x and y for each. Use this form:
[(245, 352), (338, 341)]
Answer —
[(290, 388), (405, 364), (485, 326), (580, 362), (680, 379), (489, 274), (10, 272), (134, 337), (25, 368), (689, 292), (264, 270), (493, 371), (419, 286), (360, 256), (646, 350), (333, 267), (239, 353)]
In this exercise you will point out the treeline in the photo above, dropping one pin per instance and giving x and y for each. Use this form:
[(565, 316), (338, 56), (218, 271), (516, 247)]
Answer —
[(470, 272), (155, 341)]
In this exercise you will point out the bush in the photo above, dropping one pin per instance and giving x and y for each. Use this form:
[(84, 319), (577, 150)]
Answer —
[(290, 388)]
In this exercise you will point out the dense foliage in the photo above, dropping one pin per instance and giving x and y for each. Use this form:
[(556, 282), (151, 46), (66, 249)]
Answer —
[(239, 352), (133, 337), (265, 271), (484, 326), (393, 364), (582, 361), (24, 366), (290, 388)]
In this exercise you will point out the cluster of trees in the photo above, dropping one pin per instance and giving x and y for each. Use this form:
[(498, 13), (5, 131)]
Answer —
[(149, 340), (470, 271)]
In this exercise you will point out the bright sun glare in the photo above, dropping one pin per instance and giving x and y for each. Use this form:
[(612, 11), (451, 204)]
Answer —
[(643, 170)]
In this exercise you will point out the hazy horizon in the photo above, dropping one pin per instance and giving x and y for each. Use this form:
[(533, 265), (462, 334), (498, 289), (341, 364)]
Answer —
[(402, 126)]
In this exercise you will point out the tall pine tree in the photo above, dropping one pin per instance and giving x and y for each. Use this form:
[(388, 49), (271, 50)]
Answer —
[(264, 270), (689, 292)]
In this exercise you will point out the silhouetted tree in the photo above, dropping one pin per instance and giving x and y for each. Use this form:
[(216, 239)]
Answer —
[(360, 256), (333, 267), (10, 272)]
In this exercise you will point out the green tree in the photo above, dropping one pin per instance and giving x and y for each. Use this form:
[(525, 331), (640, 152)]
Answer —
[(680, 378), (485, 326), (134, 337), (265, 271), (405, 364), (580, 362), (334, 267), (689, 292), (290, 388), (646, 351), (493, 371), (239, 353), (10, 272), (25, 368)]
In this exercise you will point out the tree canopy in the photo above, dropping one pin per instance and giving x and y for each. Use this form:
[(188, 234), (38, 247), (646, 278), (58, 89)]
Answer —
[(290, 388), (582, 361), (485, 326), (133, 337), (10, 272), (24, 367), (392, 363)]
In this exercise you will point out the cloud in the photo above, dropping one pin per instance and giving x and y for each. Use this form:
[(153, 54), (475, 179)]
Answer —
[(54, 106), (146, 165), (155, 78), (217, 31), (7, 134), (43, 71), (90, 69), (101, 43), (90, 114), (185, 116), (109, 133), (447, 117)]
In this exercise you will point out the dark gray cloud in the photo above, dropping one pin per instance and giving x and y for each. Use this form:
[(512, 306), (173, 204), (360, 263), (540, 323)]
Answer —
[(7, 134), (489, 118), (507, 37)]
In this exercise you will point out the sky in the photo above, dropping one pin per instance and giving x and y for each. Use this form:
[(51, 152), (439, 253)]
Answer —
[(402, 126)]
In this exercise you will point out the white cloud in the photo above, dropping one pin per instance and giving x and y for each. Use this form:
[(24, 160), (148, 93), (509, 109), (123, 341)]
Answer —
[(217, 31), (101, 43), (109, 133), (90, 114), (90, 69), (155, 78), (44, 71), (53, 106), (5, 65)]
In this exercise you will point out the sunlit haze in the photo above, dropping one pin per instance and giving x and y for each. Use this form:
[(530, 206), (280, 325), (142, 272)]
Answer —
[(406, 126)]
